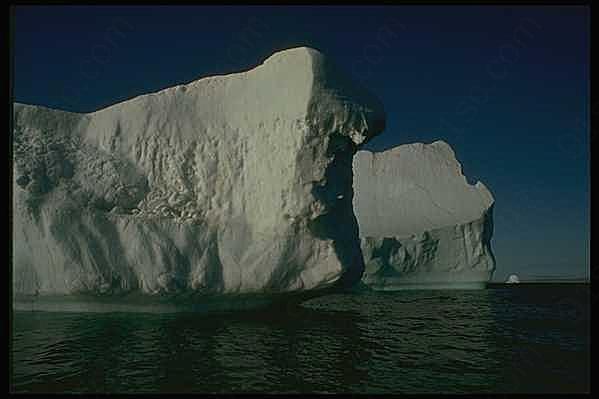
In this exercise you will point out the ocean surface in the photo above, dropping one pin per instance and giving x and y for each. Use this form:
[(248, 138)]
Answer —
[(507, 339)]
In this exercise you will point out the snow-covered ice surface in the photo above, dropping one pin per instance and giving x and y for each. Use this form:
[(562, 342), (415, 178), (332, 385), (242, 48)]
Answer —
[(421, 223), (236, 184)]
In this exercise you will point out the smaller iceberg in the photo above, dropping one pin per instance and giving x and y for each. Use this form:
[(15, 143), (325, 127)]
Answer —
[(512, 279), (422, 224)]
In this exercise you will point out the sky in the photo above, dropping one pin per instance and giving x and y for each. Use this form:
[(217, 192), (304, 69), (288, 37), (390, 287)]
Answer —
[(506, 86)]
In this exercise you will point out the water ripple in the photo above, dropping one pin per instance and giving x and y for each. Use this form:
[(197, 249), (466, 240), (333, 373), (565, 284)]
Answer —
[(402, 342)]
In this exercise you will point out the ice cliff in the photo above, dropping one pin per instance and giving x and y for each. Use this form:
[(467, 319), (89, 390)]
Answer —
[(229, 184), (420, 221)]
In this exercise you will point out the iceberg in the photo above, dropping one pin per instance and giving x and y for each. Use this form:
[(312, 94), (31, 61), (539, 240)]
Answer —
[(229, 185), (421, 223)]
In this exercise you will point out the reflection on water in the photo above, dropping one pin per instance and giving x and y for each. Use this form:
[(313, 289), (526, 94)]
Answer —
[(414, 341)]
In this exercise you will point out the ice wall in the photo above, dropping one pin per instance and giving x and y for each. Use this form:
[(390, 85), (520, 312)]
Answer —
[(420, 221), (229, 184)]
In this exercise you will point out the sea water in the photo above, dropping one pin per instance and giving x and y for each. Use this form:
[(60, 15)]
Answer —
[(505, 339)]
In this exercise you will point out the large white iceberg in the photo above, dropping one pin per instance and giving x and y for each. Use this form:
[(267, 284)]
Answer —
[(421, 223), (235, 184)]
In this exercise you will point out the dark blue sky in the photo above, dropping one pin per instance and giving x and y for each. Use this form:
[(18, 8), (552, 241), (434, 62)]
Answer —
[(506, 87)]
